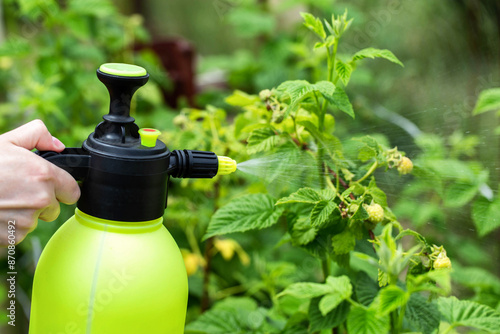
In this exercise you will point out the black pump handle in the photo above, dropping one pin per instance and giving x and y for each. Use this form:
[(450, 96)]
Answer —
[(75, 161)]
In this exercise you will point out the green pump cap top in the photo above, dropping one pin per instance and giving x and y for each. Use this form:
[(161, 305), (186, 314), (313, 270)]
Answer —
[(123, 70)]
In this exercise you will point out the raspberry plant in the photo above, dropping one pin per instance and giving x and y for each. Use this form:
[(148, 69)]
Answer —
[(335, 211)]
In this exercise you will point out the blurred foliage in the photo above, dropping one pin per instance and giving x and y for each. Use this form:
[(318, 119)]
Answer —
[(48, 60), (289, 278)]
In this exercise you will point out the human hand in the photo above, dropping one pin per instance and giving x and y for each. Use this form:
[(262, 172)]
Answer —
[(30, 186)]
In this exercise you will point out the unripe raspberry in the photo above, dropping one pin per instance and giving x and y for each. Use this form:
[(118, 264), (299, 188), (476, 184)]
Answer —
[(375, 213), (405, 166), (180, 120), (265, 95), (442, 263)]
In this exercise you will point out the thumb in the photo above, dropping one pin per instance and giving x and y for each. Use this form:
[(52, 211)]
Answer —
[(34, 135)]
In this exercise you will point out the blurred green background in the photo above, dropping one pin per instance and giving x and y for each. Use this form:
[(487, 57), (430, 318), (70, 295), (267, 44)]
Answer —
[(49, 51)]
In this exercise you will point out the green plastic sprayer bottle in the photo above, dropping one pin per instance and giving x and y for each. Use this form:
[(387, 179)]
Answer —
[(113, 267)]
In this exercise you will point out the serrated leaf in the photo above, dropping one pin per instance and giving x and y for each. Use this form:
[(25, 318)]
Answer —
[(417, 236), (376, 53), (488, 100), (303, 195), (321, 211), (391, 298), (469, 314), (306, 290), (303, 232), (344, 71), (363, 320), (340, 99), (368, 148), (486, 215), (314, 24), (215, 322), (360, 214), (298, 90), (262, 140), (378, 195), (343, 242), (341, 290), (421, 314), (333, 319), (251, 212), (366, 289), (328, 194)]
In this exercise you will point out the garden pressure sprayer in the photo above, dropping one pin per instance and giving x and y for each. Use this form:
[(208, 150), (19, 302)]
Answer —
[(113, 267)]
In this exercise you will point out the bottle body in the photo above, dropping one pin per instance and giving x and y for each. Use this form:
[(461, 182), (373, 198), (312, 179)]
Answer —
[(98, 276)]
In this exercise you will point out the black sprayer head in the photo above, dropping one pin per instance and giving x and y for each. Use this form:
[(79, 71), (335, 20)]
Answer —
[(125, 170)]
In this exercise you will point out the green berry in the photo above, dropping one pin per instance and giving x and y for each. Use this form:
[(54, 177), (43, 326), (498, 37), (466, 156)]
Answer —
[(375, 213), (442, 263), (405, 166), (265, 95)]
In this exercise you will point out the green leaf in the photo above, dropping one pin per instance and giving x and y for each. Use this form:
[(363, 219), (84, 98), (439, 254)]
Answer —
[(328, 194), (476, 278), (319, 45), (341, 290), (362, 320), (215, 322), (459, 193), (378, 195), (314, 24), (241, 99), (469, 314), (360, 214), (303, 232), (262, 140), (376, 53), (340, 99), (486, 215), (321, 211), (488, 100), (366, 289), (251, 212), (333, 319), (298, 90), (390, 298), (306, 290), (343, 242), (421, 314), (303, 195), (344, 71)]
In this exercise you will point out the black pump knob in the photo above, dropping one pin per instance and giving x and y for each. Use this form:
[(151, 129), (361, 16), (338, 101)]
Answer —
[(122, 81)]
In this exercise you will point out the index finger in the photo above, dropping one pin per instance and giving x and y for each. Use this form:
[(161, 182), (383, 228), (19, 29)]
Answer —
[(66, 189)]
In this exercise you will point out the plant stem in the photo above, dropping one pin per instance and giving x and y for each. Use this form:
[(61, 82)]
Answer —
[(325, 266), (370, 171), (191, 238), (394, 321), (448, 329), (401, 317)]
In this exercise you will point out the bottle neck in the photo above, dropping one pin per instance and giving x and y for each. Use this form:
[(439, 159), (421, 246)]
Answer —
[(118, 226)]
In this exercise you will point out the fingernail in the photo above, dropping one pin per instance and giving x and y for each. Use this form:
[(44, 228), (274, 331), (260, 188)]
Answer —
[(58, 143)]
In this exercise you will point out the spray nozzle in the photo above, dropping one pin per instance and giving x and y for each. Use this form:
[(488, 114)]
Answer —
[(226, 166)]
